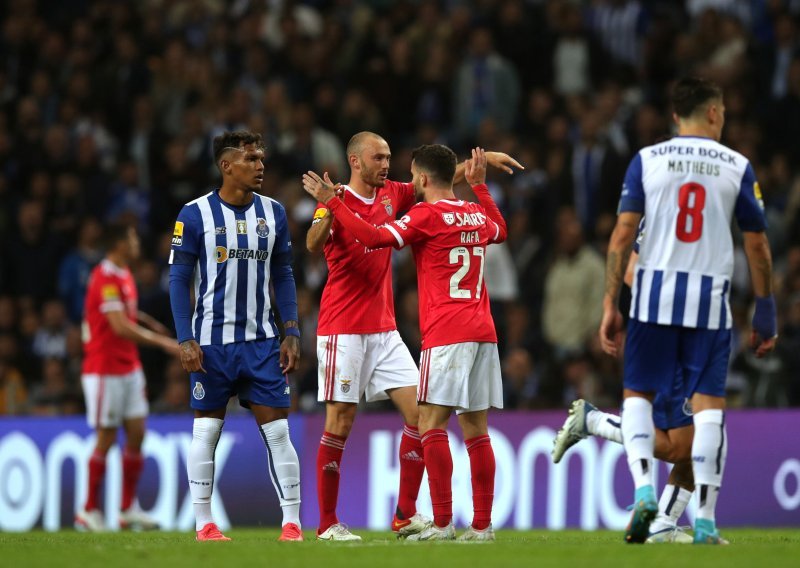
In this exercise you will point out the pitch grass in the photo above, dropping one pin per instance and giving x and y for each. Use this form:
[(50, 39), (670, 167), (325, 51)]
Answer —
[(258, 547)]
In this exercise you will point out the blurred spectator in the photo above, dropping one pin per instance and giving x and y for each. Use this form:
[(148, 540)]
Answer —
[(74, 271), (50, 340), (520, 380), (573, 298), (174, 398), (13, 394)]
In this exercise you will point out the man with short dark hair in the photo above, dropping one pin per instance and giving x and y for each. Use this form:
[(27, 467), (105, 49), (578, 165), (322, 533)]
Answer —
[(688, 188), (460, 366), (236, 243), (113, 383)]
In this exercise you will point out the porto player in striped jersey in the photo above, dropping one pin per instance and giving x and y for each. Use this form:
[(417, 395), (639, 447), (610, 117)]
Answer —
[(236, 243), (359, 350), (688, 188), (460, 367), (112, 379)]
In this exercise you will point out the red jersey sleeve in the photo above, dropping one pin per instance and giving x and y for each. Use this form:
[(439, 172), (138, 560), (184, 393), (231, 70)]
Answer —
[(495, 222), (415, 226), (372, 237), (111, 299)]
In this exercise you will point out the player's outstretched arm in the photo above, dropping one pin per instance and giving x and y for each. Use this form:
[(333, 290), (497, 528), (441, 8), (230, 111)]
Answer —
[(499, 160), (122, 326), (152, 323), (759, 258), (324, 192), (619, 250)]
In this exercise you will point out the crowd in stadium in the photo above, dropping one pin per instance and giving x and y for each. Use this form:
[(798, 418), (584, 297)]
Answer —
[(108, 109)]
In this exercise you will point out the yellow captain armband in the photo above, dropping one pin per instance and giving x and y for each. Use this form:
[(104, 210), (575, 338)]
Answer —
[(320, 214)]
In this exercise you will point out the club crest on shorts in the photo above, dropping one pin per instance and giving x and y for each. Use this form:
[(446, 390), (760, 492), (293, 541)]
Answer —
[(198, 392), (262, 229), (449, 218), (387, 204), (345, 386), (687, 407)]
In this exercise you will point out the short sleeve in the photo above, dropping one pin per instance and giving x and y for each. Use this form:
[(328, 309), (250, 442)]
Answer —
[(632, 198), (415, 226), (749, 210), (110, 295), (187, 236)]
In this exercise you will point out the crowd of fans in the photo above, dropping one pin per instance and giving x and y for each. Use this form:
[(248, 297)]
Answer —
[(108, 109)]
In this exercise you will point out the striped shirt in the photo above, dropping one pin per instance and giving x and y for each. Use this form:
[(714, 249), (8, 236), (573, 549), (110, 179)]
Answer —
[(689, 189), (235, 252)]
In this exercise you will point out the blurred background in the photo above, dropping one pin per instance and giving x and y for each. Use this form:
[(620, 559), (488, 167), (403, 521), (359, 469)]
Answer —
[(108, 109)]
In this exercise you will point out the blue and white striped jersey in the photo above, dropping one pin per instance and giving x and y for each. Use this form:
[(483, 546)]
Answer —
[(235, 252), (688, 189)]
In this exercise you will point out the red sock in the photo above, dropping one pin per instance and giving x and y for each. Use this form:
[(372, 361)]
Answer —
[(97, 471), (440, 475), (482, 466), (412, 467), (329, 461), (132, 466)]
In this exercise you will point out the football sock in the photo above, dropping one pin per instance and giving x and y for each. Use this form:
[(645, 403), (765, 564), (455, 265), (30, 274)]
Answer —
[(132, 466), (97, 472), (439, 463), (709, 452), (284, 468), (671, 506), (412, 467), (200, 467), (482, 467), (638, 435), (604, 425), (329, 460)]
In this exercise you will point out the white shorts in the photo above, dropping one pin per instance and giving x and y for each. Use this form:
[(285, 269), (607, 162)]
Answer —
[(464, 376), (110, 399), (352, 366)]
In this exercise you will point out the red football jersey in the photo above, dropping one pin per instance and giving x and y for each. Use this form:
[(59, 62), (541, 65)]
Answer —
[(449, 240), (358, 295), (110, 289)]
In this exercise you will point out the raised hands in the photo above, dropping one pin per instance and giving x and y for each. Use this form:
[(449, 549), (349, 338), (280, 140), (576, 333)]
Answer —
[(320, 188)]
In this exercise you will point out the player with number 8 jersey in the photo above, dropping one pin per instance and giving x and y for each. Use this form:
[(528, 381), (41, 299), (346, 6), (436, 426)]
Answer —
[(689, 188)]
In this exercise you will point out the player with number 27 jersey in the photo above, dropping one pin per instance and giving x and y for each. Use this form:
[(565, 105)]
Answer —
[(449, 240), (686, 262)]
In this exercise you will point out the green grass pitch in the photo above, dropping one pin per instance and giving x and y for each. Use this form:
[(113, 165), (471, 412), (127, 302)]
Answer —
[(258, 547)]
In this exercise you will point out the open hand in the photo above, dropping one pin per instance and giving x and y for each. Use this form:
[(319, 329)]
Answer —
[(320, 188), (503, 161), (475, 167)]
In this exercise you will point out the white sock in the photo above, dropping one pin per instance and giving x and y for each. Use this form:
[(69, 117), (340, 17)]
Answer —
[(709, 452), (200, 467), (638, 435), (671, 506), (284, 468), (604, 425)]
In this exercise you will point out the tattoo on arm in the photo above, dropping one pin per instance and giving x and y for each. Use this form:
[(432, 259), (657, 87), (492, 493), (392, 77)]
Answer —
[(616, 263)]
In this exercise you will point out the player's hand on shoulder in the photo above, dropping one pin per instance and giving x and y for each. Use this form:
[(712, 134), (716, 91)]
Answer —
[(320, 188), (503, 161), (475, 167), (191, 356)]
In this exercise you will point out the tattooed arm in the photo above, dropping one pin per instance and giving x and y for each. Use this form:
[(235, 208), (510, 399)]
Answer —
[(619, 252)]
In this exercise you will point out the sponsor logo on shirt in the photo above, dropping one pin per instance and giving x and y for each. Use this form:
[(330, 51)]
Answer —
[(262, 229), (224, 254), (220, 230), (177, 234), (471, 219)]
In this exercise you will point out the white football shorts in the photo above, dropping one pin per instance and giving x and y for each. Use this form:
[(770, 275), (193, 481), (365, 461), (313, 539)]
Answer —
[(111, 399), (352, 366), (464, 376)]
